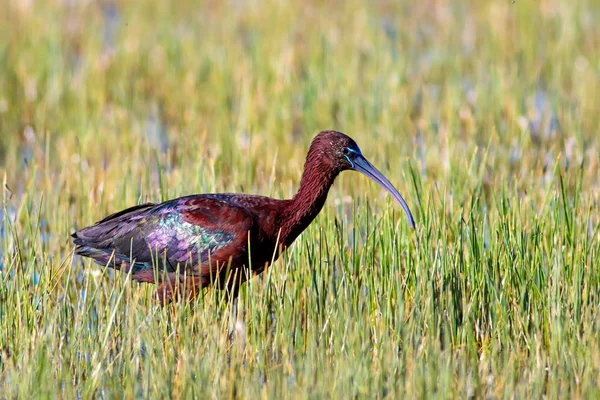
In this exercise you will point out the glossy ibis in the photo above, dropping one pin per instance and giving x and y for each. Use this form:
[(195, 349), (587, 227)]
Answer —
[(191, 242)]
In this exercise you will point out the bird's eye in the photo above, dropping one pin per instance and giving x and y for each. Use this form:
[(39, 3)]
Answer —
[(345, 150)]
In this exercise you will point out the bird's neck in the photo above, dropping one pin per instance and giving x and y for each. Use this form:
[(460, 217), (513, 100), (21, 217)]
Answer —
[(302, 209)]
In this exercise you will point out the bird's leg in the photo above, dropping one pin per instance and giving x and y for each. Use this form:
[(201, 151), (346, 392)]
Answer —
[(176, 287), (165, 292), (191, 287), (231, 294), (229, 282), (233, 310), (237, 327)]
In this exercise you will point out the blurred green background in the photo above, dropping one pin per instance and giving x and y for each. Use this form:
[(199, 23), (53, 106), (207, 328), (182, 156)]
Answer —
[(484, 114)]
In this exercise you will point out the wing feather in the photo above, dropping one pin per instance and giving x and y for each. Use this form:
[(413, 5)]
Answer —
[(183, 231)]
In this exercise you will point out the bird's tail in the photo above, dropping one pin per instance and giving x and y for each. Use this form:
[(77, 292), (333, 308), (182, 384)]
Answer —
[(112, 260), (97, 241)]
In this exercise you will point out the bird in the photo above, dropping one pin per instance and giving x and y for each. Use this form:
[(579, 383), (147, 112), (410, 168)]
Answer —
[(221, 240)]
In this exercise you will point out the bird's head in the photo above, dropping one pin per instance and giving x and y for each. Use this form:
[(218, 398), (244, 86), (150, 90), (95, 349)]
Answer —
[(340, 152)]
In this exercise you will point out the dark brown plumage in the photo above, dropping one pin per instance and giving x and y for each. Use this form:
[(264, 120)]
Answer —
[(197, 241)]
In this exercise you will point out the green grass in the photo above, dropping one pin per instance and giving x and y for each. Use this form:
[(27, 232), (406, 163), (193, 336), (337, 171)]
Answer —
[(484, 115)]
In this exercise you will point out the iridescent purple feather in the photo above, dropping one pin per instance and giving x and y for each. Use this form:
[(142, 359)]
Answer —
[(150, 234)]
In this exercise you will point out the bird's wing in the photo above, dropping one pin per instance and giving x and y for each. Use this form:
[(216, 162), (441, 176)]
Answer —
[(184, 231)]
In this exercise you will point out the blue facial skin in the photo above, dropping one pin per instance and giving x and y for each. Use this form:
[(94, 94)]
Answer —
[(353, 152)]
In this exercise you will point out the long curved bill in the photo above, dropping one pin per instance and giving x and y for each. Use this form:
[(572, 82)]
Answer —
[(361, 165)]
